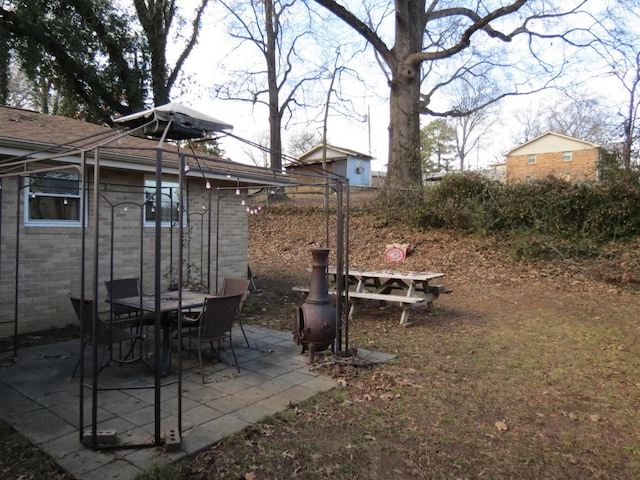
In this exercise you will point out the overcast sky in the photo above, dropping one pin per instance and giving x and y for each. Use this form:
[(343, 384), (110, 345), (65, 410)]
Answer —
[(210, 62)]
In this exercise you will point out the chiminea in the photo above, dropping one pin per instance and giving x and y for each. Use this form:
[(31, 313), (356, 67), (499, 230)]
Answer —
[(315, 327)]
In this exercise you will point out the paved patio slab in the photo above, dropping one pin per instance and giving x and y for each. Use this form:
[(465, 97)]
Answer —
[(42, 401)]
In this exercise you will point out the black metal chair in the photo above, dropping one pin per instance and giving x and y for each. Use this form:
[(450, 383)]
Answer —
[(123, 288), (215, 323), (105, 335), (234, 286)]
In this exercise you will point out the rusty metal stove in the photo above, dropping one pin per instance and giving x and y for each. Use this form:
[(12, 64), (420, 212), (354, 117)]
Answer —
[(315, 326)]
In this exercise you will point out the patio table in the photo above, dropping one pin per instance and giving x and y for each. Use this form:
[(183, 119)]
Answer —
[(172, 301)]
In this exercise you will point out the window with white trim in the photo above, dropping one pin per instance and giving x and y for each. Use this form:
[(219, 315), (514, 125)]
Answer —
[(567, 156), (165, 203), (531, 158), (53, 198)]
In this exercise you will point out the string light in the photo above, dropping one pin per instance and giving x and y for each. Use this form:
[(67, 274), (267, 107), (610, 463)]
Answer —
[(126, 207), (253, 210), (208, 185), (187, 167), (65, 201), (243, 202)]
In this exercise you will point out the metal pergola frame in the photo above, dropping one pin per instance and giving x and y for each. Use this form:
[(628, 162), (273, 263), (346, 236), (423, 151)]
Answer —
[(90, 157)]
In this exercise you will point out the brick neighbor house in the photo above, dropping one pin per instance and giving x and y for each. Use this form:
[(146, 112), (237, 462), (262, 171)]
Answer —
[(45, 192), (553, 154)]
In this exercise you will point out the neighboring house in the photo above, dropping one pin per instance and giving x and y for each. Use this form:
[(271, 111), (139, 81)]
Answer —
[(496, 172), (553, 154), (42, 197), (378, 178), (343, 162)]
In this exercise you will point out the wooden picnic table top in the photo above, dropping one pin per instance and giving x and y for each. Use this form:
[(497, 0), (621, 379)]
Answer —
[(395, 274)]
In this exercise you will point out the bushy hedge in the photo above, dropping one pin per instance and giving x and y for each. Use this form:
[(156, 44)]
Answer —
[(594, 211)]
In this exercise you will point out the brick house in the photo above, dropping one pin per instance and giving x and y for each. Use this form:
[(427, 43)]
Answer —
[(355, 166), (43, 188), (553, 154)]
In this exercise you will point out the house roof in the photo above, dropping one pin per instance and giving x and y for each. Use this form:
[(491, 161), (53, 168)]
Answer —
[(28, 137), (314, 155), (551, 142)]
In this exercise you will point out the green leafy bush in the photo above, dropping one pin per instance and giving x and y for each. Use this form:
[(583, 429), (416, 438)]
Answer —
[(553, 214), (454, 203)]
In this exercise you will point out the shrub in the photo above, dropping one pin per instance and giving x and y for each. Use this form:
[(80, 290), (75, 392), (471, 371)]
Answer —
[(454, 203), (553, 214)]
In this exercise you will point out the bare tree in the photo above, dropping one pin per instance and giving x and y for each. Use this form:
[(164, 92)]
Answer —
[(302, 141), (276, 81), (616, 41), (472, 104), (575, 113), (258, 149), (425, 35)]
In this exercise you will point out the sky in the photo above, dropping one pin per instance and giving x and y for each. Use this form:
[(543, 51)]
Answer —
[(365, 130)]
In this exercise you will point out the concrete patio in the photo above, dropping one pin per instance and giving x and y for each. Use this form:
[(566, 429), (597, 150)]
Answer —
[(41, 400)]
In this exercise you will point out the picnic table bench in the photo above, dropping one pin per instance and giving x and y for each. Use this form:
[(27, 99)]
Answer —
[(382, 285)]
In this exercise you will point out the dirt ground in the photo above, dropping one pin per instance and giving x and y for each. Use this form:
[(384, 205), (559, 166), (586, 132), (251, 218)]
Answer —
[(525, 370)]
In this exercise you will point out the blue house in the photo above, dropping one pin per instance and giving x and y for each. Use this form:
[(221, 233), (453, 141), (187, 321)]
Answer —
[(355, 166)]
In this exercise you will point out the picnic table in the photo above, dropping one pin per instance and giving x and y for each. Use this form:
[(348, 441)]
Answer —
[(405, 288)]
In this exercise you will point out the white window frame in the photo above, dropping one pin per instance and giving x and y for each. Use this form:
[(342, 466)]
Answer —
[(532, 159), (568, 154), (55, 193), (169, 188)]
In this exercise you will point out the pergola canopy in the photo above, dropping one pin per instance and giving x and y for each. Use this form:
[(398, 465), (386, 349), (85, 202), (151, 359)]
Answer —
[(174, 121)]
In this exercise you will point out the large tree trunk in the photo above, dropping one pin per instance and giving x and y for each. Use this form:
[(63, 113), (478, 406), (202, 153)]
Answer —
[(4, 66), (404, 170), (275, 116)]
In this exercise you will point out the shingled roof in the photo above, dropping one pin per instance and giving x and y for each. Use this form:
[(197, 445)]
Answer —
[(26, 135)]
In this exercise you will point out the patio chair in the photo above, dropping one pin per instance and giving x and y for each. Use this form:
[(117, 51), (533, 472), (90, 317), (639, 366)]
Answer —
[(123, 288), (233, 286), (105, 335), (215, 325)]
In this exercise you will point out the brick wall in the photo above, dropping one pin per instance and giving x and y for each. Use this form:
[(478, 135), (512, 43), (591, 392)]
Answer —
[(49, 262), (582, 167)]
